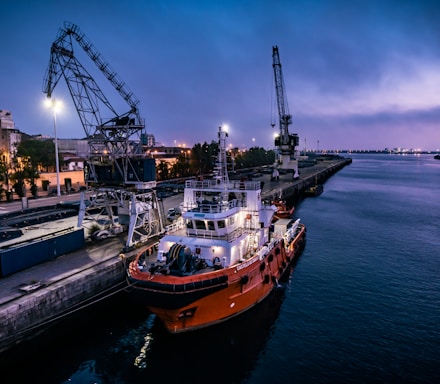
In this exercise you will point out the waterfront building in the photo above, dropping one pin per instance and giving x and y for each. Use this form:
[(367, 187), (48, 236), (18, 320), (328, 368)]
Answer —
[(10, 137)]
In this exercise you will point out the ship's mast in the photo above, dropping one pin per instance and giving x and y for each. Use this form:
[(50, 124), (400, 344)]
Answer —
[(221, 166)]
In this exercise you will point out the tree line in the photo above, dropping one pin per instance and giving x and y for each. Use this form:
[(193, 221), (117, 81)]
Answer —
[(29, 159), (202, 157), (32, 157)]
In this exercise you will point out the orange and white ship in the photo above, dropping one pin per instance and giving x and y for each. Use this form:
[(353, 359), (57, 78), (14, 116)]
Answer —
[(222, 257)]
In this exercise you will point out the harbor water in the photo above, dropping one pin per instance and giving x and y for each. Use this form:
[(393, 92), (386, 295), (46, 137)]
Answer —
[(361, 305)]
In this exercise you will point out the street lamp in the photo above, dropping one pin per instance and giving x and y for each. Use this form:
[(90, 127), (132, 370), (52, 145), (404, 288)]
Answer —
[(55, 105)]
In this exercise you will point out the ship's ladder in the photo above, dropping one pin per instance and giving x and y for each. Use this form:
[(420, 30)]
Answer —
[(252, 233), (251, 243)]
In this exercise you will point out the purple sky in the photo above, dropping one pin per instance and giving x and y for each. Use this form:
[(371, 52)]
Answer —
[(358, 74)]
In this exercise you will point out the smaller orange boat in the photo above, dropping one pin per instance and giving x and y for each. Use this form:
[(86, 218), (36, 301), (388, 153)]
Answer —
[(283, 210)]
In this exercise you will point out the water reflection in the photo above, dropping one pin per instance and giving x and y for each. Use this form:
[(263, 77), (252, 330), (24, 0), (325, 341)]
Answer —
[(86, 373), (118, 342), (225, 353), (141, 360)]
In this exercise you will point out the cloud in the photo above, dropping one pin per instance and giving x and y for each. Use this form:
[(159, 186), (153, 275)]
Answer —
[(354, 66), (405, 87)]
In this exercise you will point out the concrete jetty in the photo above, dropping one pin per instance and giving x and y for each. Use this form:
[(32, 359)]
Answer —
[(33, 299), (293, 190)]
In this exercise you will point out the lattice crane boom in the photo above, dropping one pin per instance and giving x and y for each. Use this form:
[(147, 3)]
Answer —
[(122, 177), (113, 141), (286, 142)]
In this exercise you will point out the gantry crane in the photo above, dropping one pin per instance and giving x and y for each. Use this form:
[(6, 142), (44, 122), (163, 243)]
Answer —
[(121, 176), (285, 142)]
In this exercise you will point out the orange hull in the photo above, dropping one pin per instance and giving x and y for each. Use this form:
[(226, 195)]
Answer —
[(185, 303), (282, 212)]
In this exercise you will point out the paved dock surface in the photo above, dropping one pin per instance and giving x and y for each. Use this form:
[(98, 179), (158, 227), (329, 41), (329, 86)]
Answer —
[(22, 283)]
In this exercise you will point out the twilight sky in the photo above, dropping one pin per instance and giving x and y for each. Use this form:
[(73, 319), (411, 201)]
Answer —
[(358, 74)]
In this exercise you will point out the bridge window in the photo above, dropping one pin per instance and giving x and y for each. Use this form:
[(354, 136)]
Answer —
[(200, 224)]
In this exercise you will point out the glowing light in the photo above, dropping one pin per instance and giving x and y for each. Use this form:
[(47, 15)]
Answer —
[(54, 104)]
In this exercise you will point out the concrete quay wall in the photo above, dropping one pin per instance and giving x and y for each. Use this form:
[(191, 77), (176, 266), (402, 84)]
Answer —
[(24, 317), (294, 190)]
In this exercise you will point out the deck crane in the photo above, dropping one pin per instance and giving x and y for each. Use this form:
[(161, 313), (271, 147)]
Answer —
[(285, 141), (122, 177)]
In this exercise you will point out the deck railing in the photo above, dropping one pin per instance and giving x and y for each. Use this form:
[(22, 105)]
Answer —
[(215, 185), (206, 234)]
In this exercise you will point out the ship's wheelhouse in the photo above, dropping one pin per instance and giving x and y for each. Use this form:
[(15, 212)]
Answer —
[(220, 225)]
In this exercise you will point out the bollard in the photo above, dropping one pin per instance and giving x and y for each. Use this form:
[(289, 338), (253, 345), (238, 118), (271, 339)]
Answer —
[(24, 203)]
